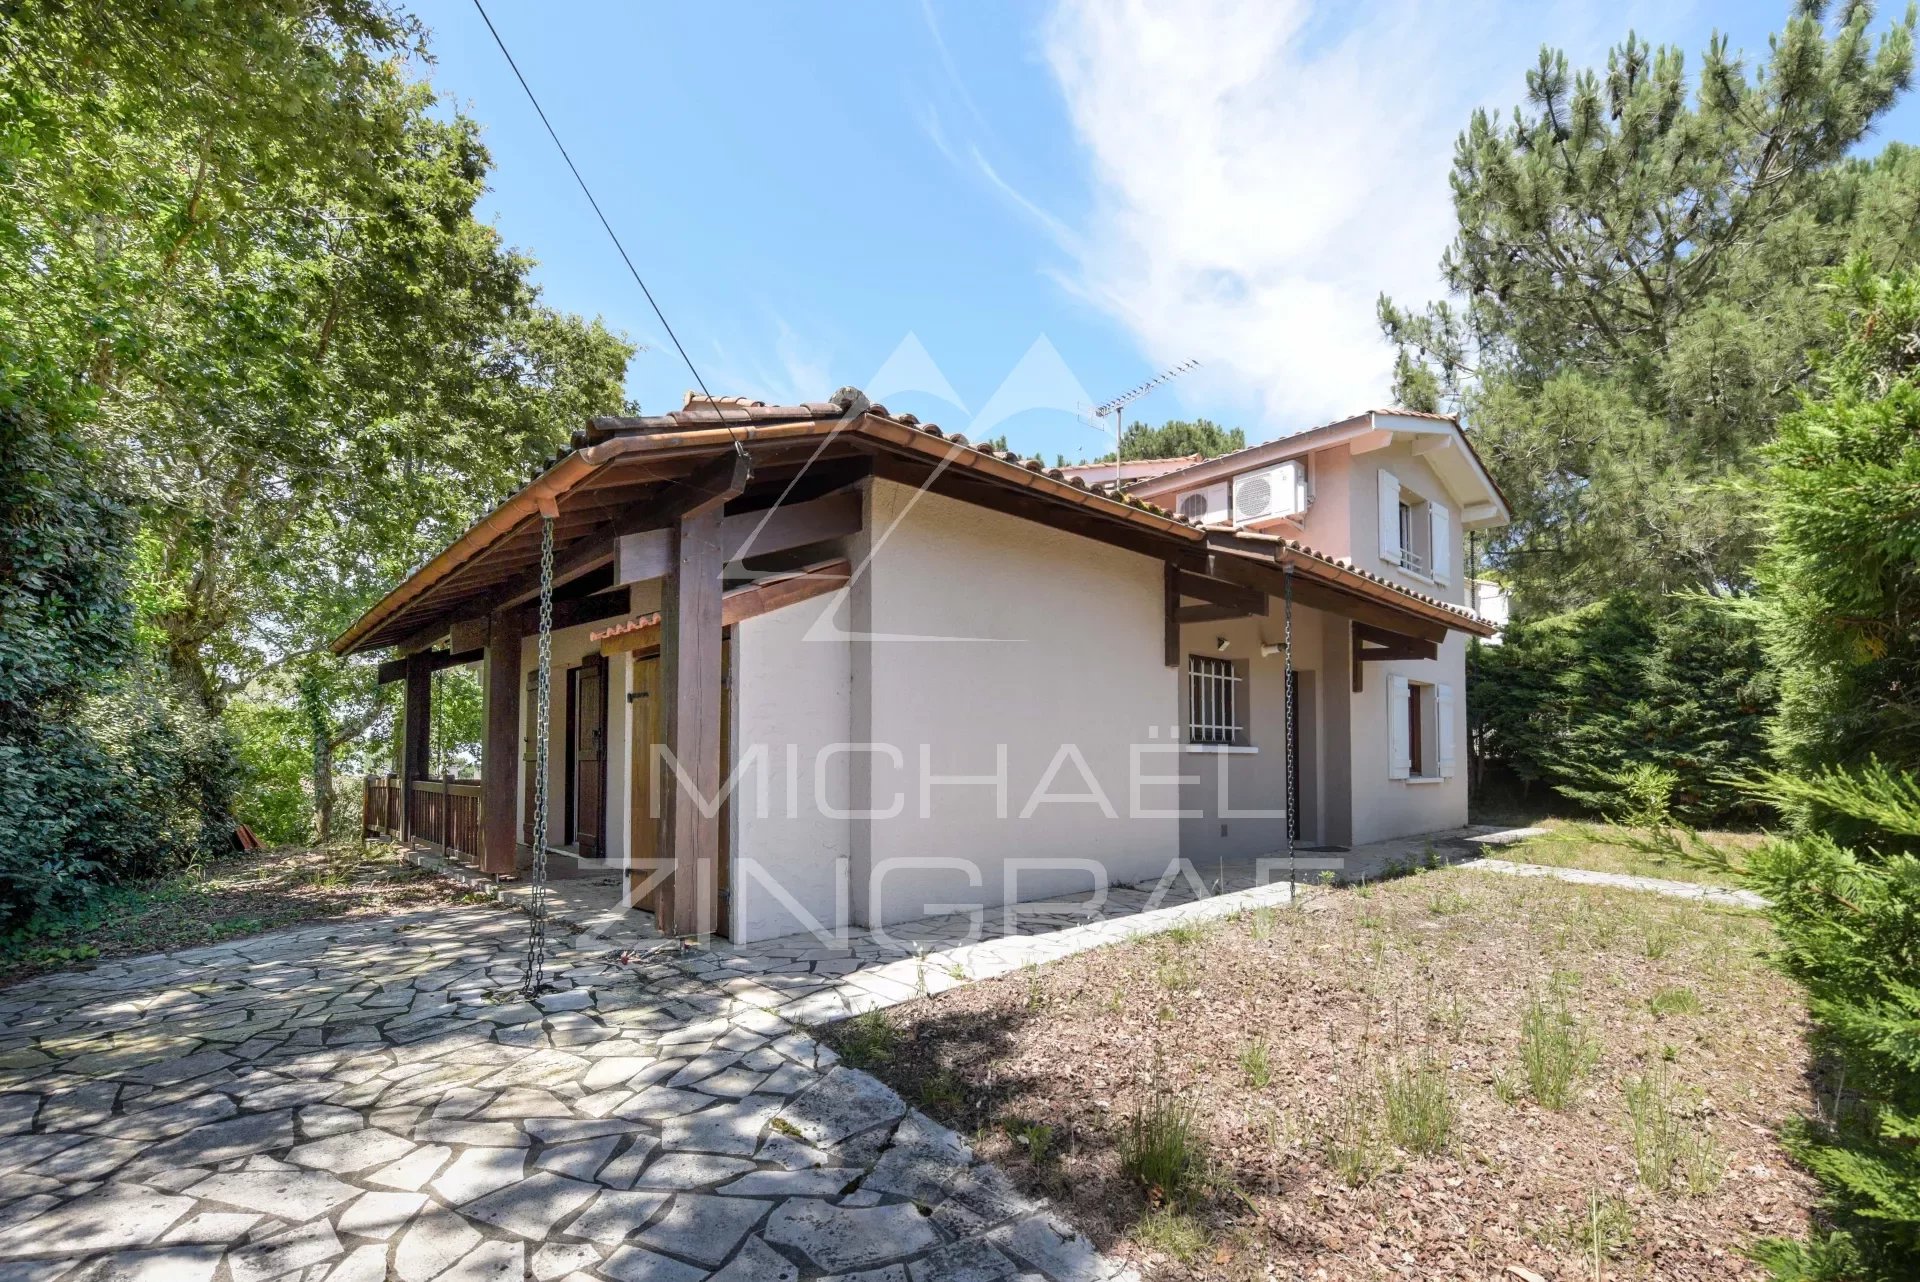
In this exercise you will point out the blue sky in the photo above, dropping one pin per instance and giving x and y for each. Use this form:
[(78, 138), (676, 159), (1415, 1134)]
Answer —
[(995, 214)]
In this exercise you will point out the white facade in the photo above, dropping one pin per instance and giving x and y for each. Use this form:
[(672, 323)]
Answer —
[(985, 715)]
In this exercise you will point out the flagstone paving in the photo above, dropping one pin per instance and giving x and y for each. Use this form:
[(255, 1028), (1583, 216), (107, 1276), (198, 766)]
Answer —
[(368, 1100)]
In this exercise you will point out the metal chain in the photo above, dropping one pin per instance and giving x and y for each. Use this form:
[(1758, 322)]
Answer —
[(542, 719), (1293, 801)]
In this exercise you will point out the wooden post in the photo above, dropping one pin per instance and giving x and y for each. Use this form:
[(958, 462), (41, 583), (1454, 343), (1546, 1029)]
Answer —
[(500, 750), (690, 699), (1173, 615), (416, 737)]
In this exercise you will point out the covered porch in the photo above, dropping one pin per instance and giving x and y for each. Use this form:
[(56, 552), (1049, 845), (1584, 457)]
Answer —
[(658, 538)]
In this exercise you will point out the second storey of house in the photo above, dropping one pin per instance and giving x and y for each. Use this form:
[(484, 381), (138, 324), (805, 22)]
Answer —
[(1394, 492)]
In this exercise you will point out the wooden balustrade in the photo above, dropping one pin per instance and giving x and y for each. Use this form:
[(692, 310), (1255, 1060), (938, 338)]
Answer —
[(441, 814)]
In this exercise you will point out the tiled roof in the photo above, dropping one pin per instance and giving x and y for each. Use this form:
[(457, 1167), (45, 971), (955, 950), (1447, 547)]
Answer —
[(1341, 563), (1306, 432)]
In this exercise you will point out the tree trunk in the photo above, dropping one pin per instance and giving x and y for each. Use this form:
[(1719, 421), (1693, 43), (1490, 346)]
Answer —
[(322, 789)]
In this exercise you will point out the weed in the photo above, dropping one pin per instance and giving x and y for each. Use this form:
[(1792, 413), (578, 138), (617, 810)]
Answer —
[(943, 1090), (1675, 1001), (1260, 923), (1606, 1227), (1176, 971), (1555, 1052), (1185, 934), (1658, 939), (1035, 1137), (1171, 1233), (1354, 1146), (1036, 991), (1666, 1152), (1419, 1106), (1163, 1148), (786, 1128), (1254, 1063), (868, 1039), (1506, 1087), (1449, 903)]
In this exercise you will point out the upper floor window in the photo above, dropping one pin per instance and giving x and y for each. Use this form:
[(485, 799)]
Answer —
[(1416, 534)]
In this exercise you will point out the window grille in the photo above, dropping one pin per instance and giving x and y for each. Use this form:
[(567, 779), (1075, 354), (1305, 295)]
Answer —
[(1213, 700)]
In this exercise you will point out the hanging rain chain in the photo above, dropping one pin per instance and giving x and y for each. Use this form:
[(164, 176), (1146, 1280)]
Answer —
[(1293, 801), (542, 718)]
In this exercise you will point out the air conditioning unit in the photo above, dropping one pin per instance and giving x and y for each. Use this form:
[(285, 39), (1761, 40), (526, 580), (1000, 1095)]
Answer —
[(1207, 506), (1280, 490)]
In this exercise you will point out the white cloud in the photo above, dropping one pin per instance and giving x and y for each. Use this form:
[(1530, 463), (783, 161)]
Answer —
[(1264, 169)]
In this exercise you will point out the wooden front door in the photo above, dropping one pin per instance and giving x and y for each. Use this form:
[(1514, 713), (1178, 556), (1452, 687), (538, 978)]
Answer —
[(590, 758), (644, 812)]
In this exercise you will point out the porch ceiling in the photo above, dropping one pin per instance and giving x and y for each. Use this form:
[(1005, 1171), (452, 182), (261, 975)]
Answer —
[(623, 476)]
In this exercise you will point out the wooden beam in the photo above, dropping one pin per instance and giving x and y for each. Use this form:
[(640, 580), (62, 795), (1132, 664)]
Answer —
[(469, 633), (1393, 645), (500, 750), (1218, 591), (1371, 644), (1209, 613), (690, 613), (643, 555), (746, 603), (432, 660), (1270, 577), (1173, 615)]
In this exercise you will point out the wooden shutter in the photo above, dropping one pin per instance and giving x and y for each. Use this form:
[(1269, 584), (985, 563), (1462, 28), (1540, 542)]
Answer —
[(1389, 517), (529, 760), (590, 758), (1399, 745), (1440, 524), (1443, 728)]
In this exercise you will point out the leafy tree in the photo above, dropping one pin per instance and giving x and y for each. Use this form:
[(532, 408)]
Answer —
[(1575, 702), (1634, 276), (244, 239), (1177, 438)]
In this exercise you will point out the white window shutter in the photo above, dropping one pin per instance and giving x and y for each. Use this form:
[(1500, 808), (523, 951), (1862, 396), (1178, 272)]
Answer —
[(1441, 525), (1389, 517), (1443, 727), (1399, 750)]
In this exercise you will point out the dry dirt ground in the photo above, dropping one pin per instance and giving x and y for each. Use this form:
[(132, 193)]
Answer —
[(1358, 1082), (227, 899)]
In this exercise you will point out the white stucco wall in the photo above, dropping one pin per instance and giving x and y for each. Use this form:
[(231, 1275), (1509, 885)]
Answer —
[(1363, 507), (792, 691), (1384, 807), (987, 630)]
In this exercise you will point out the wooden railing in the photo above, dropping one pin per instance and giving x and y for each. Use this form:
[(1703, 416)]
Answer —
[(443, 814)]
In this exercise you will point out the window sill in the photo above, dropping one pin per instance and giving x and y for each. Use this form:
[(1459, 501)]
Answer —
[(1420, 779), (1224, 749)]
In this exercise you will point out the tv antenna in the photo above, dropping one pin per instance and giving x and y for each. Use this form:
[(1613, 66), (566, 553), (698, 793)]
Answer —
[(1117, 406)]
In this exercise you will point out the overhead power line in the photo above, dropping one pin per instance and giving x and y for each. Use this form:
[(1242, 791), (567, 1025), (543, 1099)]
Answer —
[(598, 213)]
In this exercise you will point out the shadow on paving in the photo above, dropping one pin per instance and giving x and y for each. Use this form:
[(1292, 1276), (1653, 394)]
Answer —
[(369, 1099)]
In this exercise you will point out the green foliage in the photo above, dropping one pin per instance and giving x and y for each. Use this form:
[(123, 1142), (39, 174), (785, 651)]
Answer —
[(1555, 1052), (1841, 499), (239, 264), (1635, 285), (1419, 1108), (105, 772), (1577, 702), (1846, 916), (1838, 610), (1177, 438)]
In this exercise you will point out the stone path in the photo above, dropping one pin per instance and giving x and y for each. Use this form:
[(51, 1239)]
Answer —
[(1655, 885), (368, 1100)]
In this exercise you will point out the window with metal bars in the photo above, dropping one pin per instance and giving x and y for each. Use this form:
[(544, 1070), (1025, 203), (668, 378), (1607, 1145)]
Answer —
[(1213, 700)]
